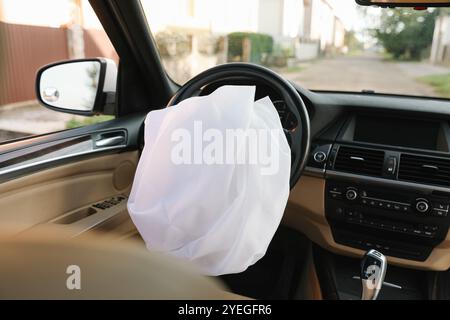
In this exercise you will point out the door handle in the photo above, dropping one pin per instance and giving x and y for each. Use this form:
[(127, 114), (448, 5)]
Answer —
[(110, 141)]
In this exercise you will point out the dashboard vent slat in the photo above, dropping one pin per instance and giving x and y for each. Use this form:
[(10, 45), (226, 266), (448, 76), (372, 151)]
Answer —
[(421, 169), (359, 161)]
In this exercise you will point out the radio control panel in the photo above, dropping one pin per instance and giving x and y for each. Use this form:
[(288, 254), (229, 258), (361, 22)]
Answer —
[(398, 222)]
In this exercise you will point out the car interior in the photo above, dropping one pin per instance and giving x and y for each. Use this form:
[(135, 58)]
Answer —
[(370, 173)]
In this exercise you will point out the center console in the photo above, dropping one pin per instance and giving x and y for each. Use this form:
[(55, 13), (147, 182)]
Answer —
[(399, 222), (387, 184)]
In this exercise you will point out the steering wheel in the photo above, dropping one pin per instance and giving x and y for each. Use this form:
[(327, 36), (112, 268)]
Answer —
[(298, 137)]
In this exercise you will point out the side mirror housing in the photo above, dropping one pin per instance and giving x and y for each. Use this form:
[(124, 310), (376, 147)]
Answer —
[(83, 87)]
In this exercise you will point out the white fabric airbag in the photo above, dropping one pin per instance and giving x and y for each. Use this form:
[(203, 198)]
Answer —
[(195, 199)]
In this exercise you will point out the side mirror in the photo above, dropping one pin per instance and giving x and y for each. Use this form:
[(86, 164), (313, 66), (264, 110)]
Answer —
[(84, 87)]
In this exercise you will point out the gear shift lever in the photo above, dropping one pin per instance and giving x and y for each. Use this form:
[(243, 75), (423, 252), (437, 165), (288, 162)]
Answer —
[(373, 271)]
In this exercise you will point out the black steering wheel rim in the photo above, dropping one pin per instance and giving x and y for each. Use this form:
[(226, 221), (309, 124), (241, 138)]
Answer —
[(299, 139)]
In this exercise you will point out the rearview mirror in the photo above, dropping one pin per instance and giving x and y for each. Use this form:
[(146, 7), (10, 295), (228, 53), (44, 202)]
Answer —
[(405, 3), (83, 87)]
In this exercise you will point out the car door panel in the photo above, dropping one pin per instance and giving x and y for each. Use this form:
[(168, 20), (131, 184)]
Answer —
[(50, 193), (43, 179)]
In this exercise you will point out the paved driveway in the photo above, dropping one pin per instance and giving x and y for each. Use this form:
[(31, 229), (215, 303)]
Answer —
[(366, 72), (28, 117)]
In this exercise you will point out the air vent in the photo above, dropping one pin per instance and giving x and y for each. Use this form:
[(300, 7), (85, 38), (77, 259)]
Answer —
[(429, 170), (360, 161)]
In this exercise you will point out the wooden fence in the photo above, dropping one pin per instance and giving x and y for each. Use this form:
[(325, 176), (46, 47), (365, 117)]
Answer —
[(24, 49)]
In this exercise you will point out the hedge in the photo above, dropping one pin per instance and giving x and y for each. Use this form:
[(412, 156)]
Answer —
[(261, 45)]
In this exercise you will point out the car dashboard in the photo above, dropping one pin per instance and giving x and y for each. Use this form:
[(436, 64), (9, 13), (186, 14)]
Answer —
[(378, 177), (378, 174)]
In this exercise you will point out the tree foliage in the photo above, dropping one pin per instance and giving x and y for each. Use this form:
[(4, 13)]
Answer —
[(406, 34), (352, 42), (261, 44)]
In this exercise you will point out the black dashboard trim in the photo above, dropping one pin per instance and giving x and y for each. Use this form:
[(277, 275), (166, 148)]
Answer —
[(332, 174)]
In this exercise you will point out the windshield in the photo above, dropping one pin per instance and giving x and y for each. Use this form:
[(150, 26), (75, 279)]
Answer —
[(332, 45)]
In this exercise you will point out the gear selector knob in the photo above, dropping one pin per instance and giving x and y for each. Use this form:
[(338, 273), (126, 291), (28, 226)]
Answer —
[(373, 271)]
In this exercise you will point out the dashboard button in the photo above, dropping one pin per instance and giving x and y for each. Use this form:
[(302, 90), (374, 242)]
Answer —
[(439, 213), (422, 206), (320, 157), (351, 195), (391, 166), (335, 189), (440, 206), (351, 213), (335, 195)]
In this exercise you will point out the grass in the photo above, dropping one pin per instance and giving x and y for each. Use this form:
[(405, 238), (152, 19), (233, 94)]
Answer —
[(389, 57), (385, 56), (354, 53), (75, 123), (293, 69), (440, 83)]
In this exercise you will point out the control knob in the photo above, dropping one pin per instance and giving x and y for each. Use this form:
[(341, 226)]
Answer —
[(320, 157), (351, 194), (422, 205)]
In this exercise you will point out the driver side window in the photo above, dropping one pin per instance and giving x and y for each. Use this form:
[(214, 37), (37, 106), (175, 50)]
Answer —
[(33, 34)]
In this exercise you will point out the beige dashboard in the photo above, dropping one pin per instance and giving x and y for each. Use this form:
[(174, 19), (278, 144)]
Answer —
[(113, 176), (306, 213)]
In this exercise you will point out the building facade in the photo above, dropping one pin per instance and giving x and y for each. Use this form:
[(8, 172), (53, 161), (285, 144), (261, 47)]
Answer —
[(289, 22), (440, 50)]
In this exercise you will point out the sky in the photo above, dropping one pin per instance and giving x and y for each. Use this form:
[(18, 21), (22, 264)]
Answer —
[(346, 10), (57, 12), (52, 13)]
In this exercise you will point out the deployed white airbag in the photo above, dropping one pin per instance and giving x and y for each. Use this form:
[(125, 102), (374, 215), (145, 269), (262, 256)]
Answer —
[(213, 180)]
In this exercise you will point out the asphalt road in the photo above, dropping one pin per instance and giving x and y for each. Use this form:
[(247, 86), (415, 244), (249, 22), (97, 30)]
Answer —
[(29, 118), (366, 72), (10, 135)]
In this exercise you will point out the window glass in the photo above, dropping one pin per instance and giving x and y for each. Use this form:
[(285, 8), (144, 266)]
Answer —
[(33, 34), (332, 45)]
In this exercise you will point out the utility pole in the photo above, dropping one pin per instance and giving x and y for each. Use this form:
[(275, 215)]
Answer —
[(2, 18), (75, 32)]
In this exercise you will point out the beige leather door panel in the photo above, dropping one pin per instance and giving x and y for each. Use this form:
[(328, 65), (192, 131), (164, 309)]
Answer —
[(45, 195)]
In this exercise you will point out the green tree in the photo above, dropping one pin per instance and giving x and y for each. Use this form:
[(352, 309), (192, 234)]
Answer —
[(406, 34), (352, 42)]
